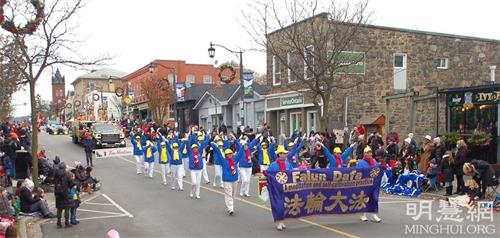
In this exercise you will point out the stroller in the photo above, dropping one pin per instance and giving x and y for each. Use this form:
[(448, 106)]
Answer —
[(84, 180)]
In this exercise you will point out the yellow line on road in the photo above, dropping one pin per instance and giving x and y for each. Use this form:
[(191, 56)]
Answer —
[(261, 206)]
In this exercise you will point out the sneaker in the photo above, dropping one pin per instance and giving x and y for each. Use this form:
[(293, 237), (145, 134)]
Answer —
[(138, 172), (172, 188), (165, 183), (279, 227), (375, 218), (221, 186), (191, 195), (247, 195), (241, 194), (283, 225), (364, 218), (207, 182), (181, 189), (231, 213), (214, 185), (198, 197)]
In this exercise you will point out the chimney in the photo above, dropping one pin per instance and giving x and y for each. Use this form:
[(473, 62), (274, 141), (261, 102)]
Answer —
[(492, 72)]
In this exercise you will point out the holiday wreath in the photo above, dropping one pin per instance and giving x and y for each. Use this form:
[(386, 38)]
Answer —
[(231, 77), (30, 26)]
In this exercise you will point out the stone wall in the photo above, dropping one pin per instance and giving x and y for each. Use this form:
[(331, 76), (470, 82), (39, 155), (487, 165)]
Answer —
[(468, 64)]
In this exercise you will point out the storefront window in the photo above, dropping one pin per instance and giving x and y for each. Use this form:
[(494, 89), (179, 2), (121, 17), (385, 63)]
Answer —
[(476, 118), (295, 122)]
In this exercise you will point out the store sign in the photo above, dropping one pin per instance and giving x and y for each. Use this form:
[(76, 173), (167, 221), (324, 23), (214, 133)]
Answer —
[(349, 62), (468, 99), (295, 100)]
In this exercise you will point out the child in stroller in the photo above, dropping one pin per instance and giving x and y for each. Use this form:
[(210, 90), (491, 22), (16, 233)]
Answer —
[(83, 178), (432, 173)]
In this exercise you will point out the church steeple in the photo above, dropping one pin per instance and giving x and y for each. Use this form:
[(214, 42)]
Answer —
[(57, 78)]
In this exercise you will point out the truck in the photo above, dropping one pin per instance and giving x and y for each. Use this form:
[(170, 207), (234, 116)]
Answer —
[(104, 134)]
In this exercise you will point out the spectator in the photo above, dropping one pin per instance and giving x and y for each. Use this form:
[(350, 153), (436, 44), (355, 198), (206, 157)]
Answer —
[(375, 141), (61, 191), (482, 172), (31, 203), (361, 145), (439, 149), (6, 209), (447, 166), (460, 160), (23, 164), (89, 146), (392, 152), (426, 156)]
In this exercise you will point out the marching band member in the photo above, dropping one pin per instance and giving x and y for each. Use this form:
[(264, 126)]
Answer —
[(266, 155), (281, 164), (138, 153), (245, 165), (229, 174), (185, 157), (149, 158), (294, 151), (367, 162), (338, 159), (217, 162), (176, 165), (196, 165), (163, 158)]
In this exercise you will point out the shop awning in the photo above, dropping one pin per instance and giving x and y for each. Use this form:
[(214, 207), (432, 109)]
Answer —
[(373, 120)]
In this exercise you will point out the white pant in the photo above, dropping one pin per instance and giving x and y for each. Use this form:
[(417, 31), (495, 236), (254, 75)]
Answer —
[(229, 190), (165, 169), (149, 168), (176, 177), (139, 161), (263, 168), (218, 174), (205, 173), (185, 167), (195, 180), (245, 175)]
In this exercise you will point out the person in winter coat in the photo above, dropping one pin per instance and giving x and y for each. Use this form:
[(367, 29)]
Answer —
[(229, 175), (426, 156), (368, 162), (460, 160), (89, 146), (31, 203), (407, 156), (138, 153), (149, 158), (392, 152), (361, 145), (482, 172), (62, 184), (439, 149), (447, 167)]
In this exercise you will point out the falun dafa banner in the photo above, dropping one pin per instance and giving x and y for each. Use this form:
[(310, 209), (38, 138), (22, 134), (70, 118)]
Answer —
[(302, 193)]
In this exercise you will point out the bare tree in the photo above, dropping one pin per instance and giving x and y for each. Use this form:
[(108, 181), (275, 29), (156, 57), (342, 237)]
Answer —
[(309, 42), (53, 43), (159, 96)]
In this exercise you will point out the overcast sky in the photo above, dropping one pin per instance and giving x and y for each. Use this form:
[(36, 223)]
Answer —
[(137, 32)]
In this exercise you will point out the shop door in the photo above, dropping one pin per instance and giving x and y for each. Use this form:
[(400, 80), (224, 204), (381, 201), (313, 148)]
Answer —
[(312, 118), (295, 122)]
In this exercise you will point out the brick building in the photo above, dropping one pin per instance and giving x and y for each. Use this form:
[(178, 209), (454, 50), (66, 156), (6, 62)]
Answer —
[(58, 93), (403, 70), (184, 74)]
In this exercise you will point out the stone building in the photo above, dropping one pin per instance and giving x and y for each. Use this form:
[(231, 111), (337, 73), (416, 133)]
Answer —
[(405, 72)]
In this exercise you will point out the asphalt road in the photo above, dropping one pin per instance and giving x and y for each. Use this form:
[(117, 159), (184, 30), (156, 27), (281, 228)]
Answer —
[(141, 207)]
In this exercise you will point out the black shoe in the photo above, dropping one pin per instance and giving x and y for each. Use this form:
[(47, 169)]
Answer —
[(231, 213), (49, 215)]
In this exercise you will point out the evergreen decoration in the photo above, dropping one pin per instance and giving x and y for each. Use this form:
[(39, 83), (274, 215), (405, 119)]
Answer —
[(30, 27), (222, 69)]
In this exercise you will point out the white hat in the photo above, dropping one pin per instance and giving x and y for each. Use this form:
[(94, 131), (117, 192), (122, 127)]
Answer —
[(437, 140), (428, 137), (408, 140), (29, 184)]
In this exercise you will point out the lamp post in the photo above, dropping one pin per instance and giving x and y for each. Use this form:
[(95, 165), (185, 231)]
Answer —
[(211, 54), (152, 66)]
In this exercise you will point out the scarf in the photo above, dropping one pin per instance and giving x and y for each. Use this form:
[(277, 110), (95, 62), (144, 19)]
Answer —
[(247, 155), (232, 166), (163, 155), (139, 146), (338, 160), (184, 151), (370, 161), (196, 160), (281, 164), (176, 154), (265, 158), (149, 152)]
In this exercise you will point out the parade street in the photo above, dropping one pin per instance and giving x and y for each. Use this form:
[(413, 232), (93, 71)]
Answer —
[(141, 207)]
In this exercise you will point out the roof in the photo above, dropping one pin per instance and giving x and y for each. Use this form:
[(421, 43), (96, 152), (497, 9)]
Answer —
[(325, 14), (224, 92), (103, 74), (470, 88)]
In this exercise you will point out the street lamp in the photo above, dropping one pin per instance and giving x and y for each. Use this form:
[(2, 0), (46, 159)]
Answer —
[(152, 66), (211, 54)]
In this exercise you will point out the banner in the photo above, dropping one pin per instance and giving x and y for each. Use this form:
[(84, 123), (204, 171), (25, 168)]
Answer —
[(180, 90), (301, 193), (248, 84), (114, 152)]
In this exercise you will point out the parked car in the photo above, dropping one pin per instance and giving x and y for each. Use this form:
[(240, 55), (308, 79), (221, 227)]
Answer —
[(57, 129)]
